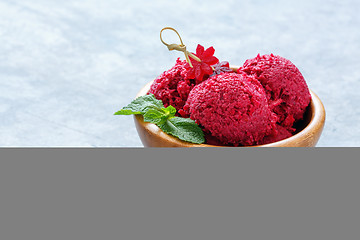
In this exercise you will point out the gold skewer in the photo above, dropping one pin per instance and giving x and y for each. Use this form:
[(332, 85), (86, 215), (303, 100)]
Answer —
[(179, 47)]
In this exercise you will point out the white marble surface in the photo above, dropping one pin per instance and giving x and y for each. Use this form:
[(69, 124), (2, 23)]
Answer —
[(67, 66)]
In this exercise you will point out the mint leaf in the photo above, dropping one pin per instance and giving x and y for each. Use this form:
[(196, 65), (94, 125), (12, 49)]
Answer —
[(154, 111), (155, 116), (159, 116), (170, 111), (126, 112), (140, 105), (183, 128)]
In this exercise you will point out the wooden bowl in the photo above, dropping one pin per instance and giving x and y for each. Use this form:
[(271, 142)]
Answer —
[(307, 134)]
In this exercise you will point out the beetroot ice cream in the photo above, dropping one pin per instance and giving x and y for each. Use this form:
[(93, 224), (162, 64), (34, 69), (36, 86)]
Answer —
[(257, 105), (232, 108), (278, 134), (285, 87), (173, 86), (260, 103)]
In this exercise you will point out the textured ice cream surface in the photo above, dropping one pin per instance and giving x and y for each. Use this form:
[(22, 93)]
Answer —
[(173, 86), (285, 87), (280, 133), (232, 108)]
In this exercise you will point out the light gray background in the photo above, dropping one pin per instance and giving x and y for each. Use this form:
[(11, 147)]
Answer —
[(67, 66)]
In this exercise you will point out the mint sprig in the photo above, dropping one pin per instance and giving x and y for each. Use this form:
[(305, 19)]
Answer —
[(153, 111), (183, 128), (141, 105)]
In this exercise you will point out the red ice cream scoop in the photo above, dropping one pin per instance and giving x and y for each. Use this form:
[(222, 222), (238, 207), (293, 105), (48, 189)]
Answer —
[(232, 108), (285, 87), (173, 86)]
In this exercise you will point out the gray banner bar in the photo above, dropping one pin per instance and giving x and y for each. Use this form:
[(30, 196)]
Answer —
[(170, 194)]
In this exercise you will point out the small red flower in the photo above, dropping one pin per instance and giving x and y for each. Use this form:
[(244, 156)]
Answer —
[(203, 68)]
